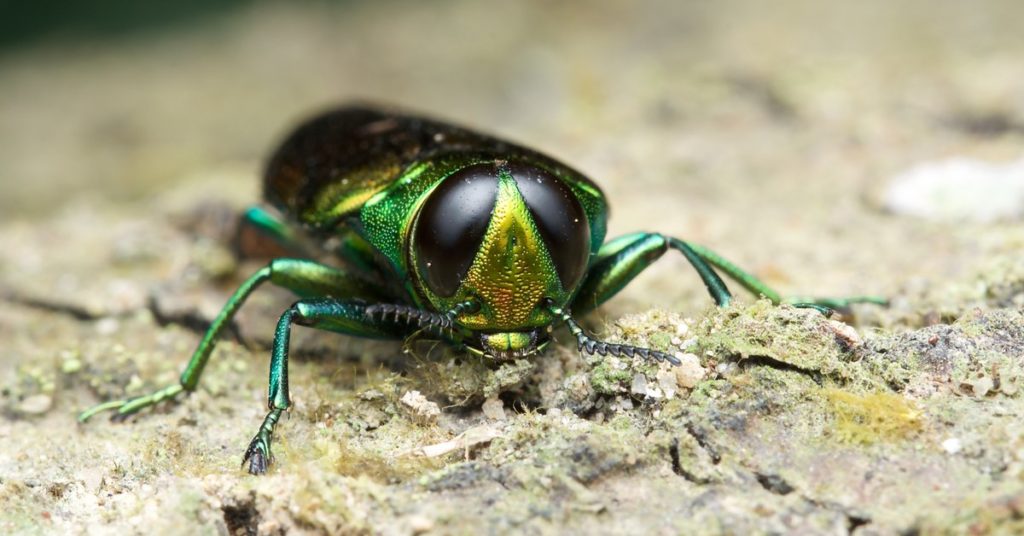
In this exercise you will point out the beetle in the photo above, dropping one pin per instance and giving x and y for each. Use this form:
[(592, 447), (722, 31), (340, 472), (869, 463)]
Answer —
[(438, 230)]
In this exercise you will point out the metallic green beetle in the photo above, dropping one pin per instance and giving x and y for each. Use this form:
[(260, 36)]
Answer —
[(440, 230)]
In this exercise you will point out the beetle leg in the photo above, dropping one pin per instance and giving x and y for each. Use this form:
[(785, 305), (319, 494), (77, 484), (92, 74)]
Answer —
[(272, 226), (758, 287), (590, 345), (351, 317), (622, 259), (304, 277)]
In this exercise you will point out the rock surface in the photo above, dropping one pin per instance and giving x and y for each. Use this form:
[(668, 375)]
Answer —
[(765, 133)]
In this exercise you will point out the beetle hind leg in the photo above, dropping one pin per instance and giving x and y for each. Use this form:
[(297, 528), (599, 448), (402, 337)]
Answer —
[(758, 287), (622, 259), (126, 408)]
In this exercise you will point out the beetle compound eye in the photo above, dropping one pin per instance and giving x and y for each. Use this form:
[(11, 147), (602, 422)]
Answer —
[(560, 219), (451, 226)]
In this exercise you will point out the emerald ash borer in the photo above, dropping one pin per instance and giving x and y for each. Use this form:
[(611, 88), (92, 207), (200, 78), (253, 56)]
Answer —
[(437, 230)]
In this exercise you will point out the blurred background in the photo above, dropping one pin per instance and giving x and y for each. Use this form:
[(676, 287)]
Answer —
[(771, 132), (831, 148)]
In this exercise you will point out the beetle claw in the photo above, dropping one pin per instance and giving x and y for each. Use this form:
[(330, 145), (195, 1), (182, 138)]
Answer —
[(258, 463)]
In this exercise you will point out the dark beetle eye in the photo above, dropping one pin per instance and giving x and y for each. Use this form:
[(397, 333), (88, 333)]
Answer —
[(559, 218), (452, 224)]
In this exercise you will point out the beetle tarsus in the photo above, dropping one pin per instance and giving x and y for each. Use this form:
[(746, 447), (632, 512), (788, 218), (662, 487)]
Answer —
[(587, 344), (258, 454), (258, 462), (126, 408)]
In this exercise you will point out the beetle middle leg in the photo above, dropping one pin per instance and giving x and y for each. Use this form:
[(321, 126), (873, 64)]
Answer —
[(303, 277), (622, 259)]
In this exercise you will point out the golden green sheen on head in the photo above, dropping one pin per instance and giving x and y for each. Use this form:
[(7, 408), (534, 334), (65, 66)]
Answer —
[(512, 271)]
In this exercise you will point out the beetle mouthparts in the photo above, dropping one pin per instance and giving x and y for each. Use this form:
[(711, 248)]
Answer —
[(509, 345)]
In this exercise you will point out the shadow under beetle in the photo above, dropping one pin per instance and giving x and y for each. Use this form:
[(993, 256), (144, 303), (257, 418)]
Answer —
[(443, 231)]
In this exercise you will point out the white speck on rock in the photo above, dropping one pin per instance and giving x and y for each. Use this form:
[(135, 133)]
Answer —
[(952, 445), (959, 189), (107, 326), (667, 382), (419, 407), (982, 386), (419, 524), (639, 386), (36, 404), (845, 333), (92, 478)]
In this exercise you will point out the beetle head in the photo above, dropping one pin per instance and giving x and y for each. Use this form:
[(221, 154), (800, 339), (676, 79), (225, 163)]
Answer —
[(508, 236)]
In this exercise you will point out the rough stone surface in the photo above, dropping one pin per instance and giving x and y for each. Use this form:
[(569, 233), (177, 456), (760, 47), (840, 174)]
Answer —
[(767, 133)]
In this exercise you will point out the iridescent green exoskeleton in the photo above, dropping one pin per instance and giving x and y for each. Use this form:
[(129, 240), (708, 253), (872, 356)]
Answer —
[(443, 231)]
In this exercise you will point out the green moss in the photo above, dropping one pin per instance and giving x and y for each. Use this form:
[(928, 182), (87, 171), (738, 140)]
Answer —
[(801, 338), (610, 376), (872, 418), (660, 340), (373, 460)]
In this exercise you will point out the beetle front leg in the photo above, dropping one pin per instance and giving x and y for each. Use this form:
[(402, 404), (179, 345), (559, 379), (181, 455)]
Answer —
[(342, 316), (304, 277)]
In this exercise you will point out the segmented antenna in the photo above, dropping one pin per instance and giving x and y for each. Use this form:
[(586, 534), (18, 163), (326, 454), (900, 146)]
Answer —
[(438, 322), (585, 343)]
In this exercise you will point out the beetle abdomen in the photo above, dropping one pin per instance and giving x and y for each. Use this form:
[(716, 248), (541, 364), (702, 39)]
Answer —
[(330, 165)]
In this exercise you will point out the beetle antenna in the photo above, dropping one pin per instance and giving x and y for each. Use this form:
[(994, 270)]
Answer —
[(592, 346), (425, 320), (466, 306)]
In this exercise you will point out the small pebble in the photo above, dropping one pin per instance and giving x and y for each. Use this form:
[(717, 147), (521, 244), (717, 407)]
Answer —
[(420, 524), (689, 372), (107, 326), (667, 382), (36, 404), (639, 386), (845, 333), (982, 386), (952, 445), (419, 408), (494, 409), (623, 403)]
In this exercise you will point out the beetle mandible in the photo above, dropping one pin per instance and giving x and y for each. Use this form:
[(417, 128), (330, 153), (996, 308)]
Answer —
[(441, 230)]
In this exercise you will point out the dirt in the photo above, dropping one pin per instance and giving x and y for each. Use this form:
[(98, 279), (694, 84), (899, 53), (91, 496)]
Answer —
[(769, 134)]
